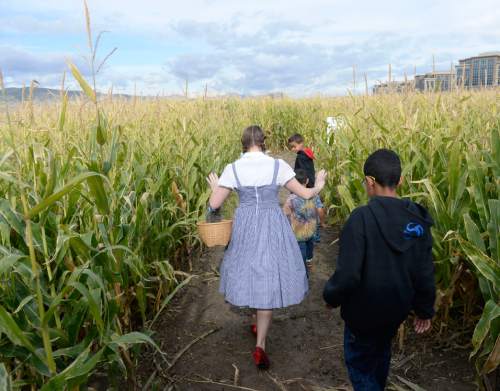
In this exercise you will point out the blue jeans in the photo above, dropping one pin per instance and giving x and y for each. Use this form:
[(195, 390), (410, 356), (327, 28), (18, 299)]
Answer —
[(367, 359), (306, 249), (317, 235)]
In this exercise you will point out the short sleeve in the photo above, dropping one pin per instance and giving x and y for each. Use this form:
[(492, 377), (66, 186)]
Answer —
[(227, 178), (285, 173), (317, 203)]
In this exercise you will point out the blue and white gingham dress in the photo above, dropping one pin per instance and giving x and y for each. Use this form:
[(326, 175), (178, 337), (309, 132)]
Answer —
[(262, 267)]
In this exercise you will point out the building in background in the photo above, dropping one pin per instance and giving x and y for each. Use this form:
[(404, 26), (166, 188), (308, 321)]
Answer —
[(479, 71), (435, 81), (393, 87)]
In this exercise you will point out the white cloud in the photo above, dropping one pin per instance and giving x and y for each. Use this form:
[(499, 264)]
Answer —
[(251, 47)]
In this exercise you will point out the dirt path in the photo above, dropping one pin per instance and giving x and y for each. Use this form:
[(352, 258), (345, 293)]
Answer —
[(304, 345)]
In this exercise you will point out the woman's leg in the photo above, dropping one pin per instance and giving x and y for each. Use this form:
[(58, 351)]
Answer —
[(263, 323)]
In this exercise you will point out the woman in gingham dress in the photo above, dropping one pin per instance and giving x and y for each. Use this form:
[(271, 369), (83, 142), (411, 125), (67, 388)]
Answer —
[(262, 267)]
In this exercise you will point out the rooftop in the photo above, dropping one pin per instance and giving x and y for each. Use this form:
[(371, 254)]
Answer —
[(439, 73), (489, 54), (435, 74), (482, 55)]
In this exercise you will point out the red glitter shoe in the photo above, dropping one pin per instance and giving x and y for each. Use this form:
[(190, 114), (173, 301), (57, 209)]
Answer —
[(260, 358), (253, 329)]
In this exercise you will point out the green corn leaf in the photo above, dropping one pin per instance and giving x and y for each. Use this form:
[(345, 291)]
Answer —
[(8, 262), (11, 217), (99, 195), (82, 82), (67, 161), (346, 197), (493, 360), (8, 178), (495, 149), (488, 268), (52, 176), (73, 199), (486, 288), (132, 339), (494, 229), (62, 114), (81, 366), (491, 312), (72, 351), (141, 300), (10, 328), (113, 151), (94, 307), (80, 247), (6, 156), (58, 194), (473, 234), (95, 278), (23, 302), (169, 298), (38, 364), (477, 175), (454, 170), (5, 381), (5, 233), (434, 196), (101, 134), (55, 302), (62, 247)]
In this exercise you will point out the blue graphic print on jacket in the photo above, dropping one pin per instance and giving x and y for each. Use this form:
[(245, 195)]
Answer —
[(413, 230)]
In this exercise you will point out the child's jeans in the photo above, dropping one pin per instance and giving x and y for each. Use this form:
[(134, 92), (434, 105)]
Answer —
[(306, 249), (367, 359), (317, 235)]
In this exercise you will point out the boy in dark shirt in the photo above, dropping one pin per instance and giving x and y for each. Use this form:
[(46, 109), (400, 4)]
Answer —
[(384, 271), (305, 157)]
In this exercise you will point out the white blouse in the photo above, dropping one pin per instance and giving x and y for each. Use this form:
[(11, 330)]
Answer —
[(255, 169)]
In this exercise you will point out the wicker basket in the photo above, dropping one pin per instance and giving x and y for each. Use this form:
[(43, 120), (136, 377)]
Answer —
[(215, 234)]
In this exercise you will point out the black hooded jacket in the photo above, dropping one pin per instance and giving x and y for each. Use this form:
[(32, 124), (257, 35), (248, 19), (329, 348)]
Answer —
[(304, 162), (384, 268)]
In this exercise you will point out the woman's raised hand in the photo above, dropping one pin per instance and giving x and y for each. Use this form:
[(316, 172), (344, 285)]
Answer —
[(321, 179), (213, 181)]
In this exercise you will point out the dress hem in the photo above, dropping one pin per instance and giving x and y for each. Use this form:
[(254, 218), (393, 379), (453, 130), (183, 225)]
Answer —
[(260, 307)]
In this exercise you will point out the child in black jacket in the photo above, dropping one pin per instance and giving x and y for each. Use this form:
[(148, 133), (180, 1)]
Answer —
[(305, 161), (384, 271), (305, 157)]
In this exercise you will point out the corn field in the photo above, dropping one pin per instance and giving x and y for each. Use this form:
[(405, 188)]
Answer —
[(99, 199), (450, 150)]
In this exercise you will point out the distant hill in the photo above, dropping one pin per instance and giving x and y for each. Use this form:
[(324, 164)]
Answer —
[(40, 94), (15, 94)]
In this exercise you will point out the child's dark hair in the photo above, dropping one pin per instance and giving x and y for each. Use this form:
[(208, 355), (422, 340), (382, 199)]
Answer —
[(301, 176), (385, 166), (296, 138), (253, 136)]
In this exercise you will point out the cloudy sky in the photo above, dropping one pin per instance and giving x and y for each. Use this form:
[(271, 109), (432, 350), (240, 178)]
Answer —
[(300, 47)]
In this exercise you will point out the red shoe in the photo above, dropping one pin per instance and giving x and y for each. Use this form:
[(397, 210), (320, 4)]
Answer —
[(253, 329), (260, 358)]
